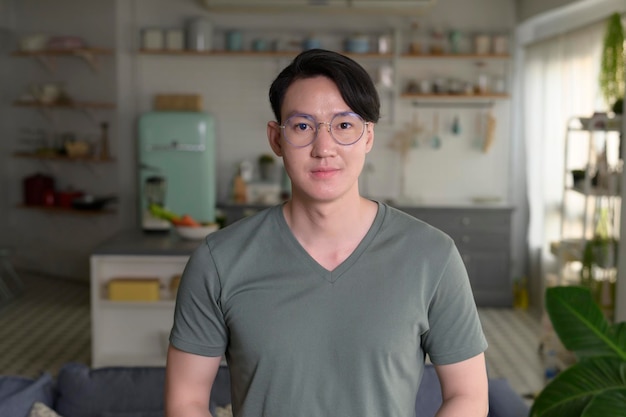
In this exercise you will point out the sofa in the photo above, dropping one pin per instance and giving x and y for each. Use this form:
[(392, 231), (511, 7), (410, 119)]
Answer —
[(81, 391)]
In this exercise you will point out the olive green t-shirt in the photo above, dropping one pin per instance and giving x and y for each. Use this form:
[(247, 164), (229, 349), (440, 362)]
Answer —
[(304, 341)]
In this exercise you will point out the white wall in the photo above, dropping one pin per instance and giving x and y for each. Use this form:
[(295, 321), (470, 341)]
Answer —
[(529, 8), (235, 92)]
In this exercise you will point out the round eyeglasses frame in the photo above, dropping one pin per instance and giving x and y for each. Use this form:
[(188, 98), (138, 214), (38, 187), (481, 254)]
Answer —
[(330, 129)]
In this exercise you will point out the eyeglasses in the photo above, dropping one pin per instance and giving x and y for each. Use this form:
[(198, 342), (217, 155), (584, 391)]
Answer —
[(301, 130)]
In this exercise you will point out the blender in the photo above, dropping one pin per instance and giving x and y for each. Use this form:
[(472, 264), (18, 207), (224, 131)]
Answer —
[(154, 192)]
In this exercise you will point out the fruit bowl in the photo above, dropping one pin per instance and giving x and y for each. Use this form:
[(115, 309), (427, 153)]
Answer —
[(196, 232)]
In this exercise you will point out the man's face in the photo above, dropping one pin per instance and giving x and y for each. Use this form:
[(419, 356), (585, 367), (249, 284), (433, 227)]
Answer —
[(324, 170)]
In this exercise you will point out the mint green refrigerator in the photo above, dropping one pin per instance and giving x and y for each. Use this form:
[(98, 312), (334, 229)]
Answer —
[(176, 166)]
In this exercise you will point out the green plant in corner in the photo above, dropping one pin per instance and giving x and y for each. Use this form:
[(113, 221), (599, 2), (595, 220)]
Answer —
[(595, 386), (612, 61)]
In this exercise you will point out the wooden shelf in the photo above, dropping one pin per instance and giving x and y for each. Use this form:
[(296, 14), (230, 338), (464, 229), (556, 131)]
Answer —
[(65, 52), (459, 97), (62, 158), (270, 54), (77, 105), (47, 56), (67, 210), (474, 57), (454, 100)]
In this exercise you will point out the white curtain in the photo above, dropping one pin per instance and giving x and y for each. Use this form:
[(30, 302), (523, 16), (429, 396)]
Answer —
[(560, 81)]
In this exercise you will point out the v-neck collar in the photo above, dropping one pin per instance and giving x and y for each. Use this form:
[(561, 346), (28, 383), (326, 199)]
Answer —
[(331, 276)]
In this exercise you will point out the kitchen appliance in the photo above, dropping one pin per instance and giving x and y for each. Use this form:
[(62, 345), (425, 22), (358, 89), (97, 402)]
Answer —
[(176, 166), (155, 190)]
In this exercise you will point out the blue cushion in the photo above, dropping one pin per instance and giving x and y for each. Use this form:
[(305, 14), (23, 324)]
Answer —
[(18, 394), (122, 391), (429, 397), (85, 392), (504, 401)]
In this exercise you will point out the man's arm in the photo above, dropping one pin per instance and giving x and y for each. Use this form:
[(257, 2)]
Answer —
[(188, 382), (464, 388)]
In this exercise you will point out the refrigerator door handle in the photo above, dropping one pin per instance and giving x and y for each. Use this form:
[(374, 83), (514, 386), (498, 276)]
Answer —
[(175, 146), (147, 167)]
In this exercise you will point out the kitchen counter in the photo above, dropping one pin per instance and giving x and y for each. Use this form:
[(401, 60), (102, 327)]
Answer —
[(136, 242), (235, 211), (134, 332)]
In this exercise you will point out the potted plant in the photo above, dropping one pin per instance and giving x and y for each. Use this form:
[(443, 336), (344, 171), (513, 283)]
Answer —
[(266, 166), (612, 61), (595, 386)]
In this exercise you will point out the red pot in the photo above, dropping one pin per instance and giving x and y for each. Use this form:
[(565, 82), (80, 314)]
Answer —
[(65, 198), (36, 187)]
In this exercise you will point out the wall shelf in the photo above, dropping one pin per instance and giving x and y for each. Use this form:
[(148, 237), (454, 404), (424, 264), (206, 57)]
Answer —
[(254, 54), (472, 57), (76, 105), (67, 210), (453, 100), (61, 158), (47, 57), (87, 107)]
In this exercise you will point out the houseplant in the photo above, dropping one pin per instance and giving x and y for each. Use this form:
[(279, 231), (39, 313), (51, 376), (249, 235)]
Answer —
[(595, 386), (612, 61), (266, 166)]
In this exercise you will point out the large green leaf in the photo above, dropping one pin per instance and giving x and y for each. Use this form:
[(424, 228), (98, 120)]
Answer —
[(581, 325), (579, 390), (608, 404)]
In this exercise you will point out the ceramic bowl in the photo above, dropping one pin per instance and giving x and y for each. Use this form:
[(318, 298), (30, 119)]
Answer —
[(196, 233)]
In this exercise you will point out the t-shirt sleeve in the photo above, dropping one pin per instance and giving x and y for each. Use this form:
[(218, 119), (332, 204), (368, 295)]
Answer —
[(455, 332), (199, 325)]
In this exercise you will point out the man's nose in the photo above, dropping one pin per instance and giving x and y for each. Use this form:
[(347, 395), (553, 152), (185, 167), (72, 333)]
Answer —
[(324, 142)]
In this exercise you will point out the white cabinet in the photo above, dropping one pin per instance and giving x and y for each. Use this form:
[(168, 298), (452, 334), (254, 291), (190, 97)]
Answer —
[(132, 333)]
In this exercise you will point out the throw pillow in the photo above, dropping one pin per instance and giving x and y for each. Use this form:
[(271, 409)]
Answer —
[(224, 411), (18, 394), (41, 410), (86, 392)]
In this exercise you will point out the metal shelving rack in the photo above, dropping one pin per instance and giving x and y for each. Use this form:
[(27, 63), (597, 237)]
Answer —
[(585, 198)]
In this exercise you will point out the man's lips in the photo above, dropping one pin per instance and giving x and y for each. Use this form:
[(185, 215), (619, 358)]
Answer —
[(324, 172)]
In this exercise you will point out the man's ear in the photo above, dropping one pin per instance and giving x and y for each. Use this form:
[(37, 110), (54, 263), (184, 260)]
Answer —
[(273, 136), (369, 132)]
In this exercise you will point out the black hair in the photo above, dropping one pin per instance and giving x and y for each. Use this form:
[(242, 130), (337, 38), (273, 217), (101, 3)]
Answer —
[(354, 83)]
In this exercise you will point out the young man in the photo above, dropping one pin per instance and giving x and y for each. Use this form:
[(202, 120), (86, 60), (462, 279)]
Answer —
[(326, 305)]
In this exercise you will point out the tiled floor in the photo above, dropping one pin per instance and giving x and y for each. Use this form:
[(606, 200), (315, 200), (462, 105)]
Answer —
[(49, 325)]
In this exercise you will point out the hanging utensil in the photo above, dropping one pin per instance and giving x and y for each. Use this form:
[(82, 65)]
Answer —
[(435, 142), (489, 135), (456, 125)]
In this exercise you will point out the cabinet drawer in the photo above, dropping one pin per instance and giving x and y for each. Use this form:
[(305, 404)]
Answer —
[(455, 221), (481, 241)]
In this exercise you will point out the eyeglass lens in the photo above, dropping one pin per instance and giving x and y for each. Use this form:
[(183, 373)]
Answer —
[(345, 128)]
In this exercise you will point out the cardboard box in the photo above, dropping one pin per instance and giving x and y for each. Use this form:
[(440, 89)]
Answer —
[(178, 102), (134, 289)]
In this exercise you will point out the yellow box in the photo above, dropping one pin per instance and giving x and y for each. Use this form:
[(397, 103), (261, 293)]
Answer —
[(180, 102), (134, 289)]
